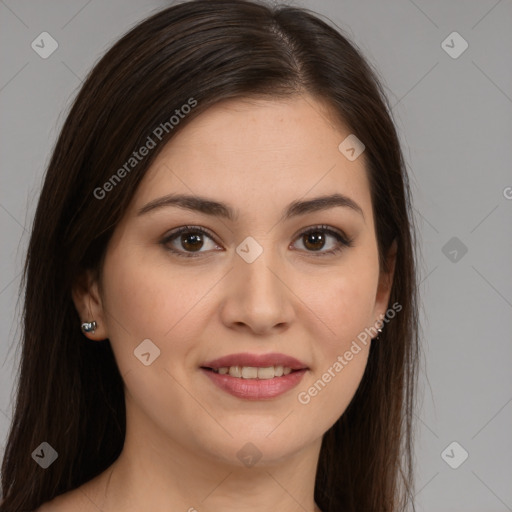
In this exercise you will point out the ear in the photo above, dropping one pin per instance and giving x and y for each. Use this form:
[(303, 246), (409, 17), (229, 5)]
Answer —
[(87, 299), (385, 283)]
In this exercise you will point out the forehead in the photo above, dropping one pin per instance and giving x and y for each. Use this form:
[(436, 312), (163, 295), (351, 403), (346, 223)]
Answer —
[(258, 153)]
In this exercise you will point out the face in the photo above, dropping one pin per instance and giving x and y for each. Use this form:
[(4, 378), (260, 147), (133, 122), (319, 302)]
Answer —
[(261, 278)]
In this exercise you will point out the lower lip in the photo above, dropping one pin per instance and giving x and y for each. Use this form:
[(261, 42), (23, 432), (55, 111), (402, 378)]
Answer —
[(255, 389)]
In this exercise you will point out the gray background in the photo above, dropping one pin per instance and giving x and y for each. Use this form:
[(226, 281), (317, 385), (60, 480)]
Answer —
[(454, 116)]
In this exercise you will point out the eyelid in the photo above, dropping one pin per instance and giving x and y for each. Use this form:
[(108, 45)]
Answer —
[(186, 229)]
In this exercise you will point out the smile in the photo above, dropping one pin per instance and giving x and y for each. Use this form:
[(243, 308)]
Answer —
[(255, 376), (253, 372)]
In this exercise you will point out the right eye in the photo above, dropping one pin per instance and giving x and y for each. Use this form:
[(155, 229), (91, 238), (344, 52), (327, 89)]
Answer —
[(190, 238)]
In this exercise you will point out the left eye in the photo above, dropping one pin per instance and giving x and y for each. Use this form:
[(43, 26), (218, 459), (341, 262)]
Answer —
[(314, 239), (192, 240)]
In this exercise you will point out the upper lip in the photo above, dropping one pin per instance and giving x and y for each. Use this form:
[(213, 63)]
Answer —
[(256, 360)]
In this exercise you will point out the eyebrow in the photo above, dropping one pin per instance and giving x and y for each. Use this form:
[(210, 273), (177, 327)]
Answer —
[(219, 209)]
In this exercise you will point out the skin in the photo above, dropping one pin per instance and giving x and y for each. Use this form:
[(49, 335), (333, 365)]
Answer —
[(183, 433)]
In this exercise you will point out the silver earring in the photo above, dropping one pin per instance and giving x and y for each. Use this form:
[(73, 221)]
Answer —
[(379, 330), (89, 327)]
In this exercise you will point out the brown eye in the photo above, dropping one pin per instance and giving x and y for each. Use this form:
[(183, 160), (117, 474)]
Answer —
[(317, 238), (314, 240), (191, 242)]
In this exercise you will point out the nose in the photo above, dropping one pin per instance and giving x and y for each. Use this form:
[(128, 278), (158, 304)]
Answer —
[(257, 297)]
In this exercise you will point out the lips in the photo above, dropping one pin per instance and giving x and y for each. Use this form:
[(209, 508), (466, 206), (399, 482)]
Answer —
[(255, 376), (256, 360)]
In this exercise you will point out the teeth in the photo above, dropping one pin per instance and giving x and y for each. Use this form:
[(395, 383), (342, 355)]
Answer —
[(266, 373), (249, 372), (252, 372), (235, 371)]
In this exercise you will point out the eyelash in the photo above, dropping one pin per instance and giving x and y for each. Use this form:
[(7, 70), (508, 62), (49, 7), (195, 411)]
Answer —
[(342, 239)]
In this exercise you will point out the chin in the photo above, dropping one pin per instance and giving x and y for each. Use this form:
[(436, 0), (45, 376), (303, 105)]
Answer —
[(261, 444)]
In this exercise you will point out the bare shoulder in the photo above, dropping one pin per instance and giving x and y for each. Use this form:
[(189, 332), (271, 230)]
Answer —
[(75, 500), (67, 501), (88, 497)]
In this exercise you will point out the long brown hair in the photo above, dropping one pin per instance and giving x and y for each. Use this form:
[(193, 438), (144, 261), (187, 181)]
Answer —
[(70, 393)]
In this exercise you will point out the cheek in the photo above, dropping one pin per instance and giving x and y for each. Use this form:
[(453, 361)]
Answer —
[(149, 301), (149, 297), (341, 355), (343, 306), (143, 301), (343, 302)]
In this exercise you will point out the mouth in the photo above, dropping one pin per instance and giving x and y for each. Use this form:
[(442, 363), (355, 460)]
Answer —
[(255, 366), (253, 376), (252, 372)]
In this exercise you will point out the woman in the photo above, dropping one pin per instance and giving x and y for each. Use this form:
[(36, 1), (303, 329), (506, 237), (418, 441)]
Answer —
[(220, 308)]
